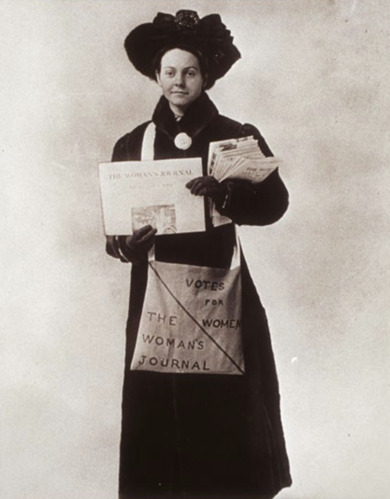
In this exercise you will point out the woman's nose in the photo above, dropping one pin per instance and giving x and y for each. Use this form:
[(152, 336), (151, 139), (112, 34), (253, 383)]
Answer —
[(179, 79)]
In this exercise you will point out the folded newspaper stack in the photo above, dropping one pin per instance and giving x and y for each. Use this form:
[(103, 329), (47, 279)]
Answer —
[(239, 158)]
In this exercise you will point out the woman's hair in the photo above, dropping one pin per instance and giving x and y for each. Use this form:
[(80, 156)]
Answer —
[(203, 62)]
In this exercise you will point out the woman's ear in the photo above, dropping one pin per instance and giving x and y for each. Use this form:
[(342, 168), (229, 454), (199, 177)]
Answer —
[(158, 79), (205, 81)]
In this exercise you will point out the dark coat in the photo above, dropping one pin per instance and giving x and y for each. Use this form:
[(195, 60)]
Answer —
[(204, 436)]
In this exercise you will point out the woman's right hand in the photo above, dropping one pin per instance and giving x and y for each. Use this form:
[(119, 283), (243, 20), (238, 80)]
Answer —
[(136, 246), (132, 248)]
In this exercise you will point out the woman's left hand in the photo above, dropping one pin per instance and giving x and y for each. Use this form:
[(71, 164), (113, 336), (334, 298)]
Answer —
[(207, 186)]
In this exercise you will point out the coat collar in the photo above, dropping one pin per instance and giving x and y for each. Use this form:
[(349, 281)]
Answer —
[(196, 118)]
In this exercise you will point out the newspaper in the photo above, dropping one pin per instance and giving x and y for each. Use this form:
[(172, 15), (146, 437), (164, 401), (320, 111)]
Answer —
[(238, 158), (138, 193)]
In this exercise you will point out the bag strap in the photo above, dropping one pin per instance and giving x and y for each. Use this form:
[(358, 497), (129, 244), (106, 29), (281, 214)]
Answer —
[(236, 257), (147, 154), (147, 151)]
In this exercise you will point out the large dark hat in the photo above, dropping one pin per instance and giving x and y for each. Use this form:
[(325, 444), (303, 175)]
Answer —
[(208, 35)]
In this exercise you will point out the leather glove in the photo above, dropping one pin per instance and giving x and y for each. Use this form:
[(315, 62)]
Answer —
[(136, 246), (208, 186)]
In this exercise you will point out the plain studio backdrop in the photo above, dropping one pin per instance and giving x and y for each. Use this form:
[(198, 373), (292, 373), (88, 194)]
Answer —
[(314, 77)]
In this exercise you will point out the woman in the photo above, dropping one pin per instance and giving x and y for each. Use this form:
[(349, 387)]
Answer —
[(184, 435)]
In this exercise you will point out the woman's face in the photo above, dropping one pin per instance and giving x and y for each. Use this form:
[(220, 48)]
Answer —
[(180, 79)]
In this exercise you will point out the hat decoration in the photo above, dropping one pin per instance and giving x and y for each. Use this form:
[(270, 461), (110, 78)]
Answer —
[(207, 35)]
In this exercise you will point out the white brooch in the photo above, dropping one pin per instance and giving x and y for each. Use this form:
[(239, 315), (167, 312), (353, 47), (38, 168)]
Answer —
[(183, 141)]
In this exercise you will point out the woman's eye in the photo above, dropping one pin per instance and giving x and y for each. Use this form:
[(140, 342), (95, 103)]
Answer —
[(191, 73), (169, 73)]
